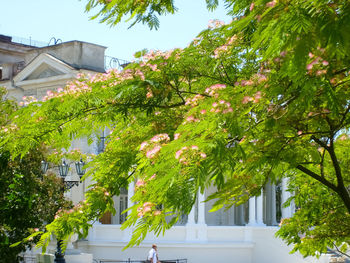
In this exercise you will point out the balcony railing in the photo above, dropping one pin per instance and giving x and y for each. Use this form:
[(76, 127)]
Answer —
[(117, 63)]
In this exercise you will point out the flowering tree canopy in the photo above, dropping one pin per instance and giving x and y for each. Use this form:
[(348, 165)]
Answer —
[(261, 98)]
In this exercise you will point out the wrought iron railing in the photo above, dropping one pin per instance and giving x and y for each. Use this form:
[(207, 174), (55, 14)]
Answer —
[(28, 259), (29, 41), (138, 261), (117, 63)]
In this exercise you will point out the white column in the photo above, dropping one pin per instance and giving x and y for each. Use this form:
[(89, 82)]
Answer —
[(131, 191), (127, 233), (201, 209), (259, 208), (286, 211), (241, 214), (191, 231), (190, 218), (252, 220), (273, 205)]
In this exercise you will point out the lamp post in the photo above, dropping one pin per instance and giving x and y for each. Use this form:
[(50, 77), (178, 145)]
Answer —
[(63, 172)]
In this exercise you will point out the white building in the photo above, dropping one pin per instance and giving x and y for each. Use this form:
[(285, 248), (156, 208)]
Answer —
[(243, 234)]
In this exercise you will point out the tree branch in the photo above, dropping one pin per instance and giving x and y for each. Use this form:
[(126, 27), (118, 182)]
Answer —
[(317, 177)]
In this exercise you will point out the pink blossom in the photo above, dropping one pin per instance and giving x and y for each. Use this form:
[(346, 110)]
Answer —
[(258, 95), (218, 86), (283, 53), (176, 136), (147, 204), (157, 213), (190, 118), (246, 99), (194, 147), (309, 66), (140, 214), (311, 55), (149, 95), (143, 145), (178, 154), (153, 177), (300, 132), (203, 155), (147, 209), (203, 111), (150, 154), (152, 66), (140, 182), (251, 6), (214, 104), (325, 63), (160, 137), (321, 72), (246, 83), (271, 4)]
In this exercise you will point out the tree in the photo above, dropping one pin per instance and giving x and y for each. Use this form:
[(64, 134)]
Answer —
[(262, 98), (28, 199)]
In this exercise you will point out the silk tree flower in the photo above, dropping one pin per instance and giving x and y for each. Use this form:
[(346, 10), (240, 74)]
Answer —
[(178, 154), (143, 145), (152, 153), (271, 4), (140, 182), (157, 213), (203, 155), (161, 137)]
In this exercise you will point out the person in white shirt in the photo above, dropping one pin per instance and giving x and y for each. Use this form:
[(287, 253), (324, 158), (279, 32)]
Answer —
[(153, 254)]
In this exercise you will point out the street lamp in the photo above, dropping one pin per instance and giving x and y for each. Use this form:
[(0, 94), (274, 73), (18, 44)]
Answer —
[(44, 166), (79, 166), (63, 172), (63, 169)]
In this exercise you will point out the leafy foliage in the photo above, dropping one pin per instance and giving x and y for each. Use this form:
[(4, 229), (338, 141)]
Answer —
[(28, 199), (264, 97)]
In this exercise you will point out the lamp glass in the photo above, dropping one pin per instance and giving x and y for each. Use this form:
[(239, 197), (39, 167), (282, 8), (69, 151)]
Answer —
[(63, 169), (79, 167), (44, 166)]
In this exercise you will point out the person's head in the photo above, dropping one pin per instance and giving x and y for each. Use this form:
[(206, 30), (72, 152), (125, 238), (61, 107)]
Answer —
[(154, 246)]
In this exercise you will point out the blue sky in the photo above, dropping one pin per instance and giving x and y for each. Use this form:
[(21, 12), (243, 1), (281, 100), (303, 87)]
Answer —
[(66, 19)]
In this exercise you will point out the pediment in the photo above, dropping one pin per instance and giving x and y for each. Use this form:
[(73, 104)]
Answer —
[(42, 67), (44, 71)]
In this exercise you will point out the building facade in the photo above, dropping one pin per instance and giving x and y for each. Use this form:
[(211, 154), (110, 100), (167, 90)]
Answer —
[(243, 234)]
